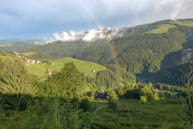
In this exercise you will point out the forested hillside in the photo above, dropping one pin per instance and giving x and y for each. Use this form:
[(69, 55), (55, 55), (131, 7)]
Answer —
[(141, 49), (177, 75)]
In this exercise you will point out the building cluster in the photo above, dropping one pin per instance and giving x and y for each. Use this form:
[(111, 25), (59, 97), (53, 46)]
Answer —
[(32, 61), (28, 60)]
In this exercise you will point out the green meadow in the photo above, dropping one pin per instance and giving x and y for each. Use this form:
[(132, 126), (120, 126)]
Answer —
[(164, 28), (185, 23), (41, 70), (130, 114), (29, 54)]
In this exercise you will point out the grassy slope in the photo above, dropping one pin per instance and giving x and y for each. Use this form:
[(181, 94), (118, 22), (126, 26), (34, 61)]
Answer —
[(29, 54), (164, 28), (6, 45), (185, 23), (85, 67), (5, 55), (40, 70)]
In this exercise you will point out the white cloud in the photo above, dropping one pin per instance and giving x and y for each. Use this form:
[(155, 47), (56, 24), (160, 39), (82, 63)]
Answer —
[(84, 36), (91, 35), (56, 36), (65, 36)]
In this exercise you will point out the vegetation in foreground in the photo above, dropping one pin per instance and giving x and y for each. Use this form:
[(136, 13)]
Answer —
[(129, 114), (66, 101)]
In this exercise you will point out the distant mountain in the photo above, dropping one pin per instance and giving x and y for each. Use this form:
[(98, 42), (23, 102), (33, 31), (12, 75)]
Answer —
[(19, 44), (141, 49), (16, 46), (21, 40)]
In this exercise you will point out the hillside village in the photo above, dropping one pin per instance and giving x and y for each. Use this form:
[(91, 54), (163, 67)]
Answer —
[(28, 60), (32, 61)]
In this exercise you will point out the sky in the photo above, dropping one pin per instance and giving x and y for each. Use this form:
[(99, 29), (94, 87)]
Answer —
[(41, 18)]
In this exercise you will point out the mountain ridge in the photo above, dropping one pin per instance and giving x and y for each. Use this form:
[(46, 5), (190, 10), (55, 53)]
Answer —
[(142, 49)]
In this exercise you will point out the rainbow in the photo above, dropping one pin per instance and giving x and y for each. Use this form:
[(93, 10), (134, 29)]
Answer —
[(108, 39)]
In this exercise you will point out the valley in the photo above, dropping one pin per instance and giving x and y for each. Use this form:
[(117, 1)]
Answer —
[(129, 78)]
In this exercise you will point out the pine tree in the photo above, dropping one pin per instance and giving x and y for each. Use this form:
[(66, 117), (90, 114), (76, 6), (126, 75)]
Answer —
[(14, 79), (67, 84)]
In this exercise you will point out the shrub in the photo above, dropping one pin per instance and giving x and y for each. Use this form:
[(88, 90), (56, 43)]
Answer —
[(14, 102), (147, 90), (112, 99), (143, 99), (112, 105), (85, 104), (145, 127), (134, 93), (188, 107), (75, 103), (93, 94), (156, 97)]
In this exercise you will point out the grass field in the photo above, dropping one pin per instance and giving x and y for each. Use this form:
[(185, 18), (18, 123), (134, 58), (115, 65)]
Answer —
[(29, 54), (41, 70), (161, 29), (5, 55), (86, 67), (130, 114), (185, 23), (164, 114), (6, 45)]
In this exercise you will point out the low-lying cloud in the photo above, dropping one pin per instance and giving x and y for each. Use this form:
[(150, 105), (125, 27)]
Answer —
[(84, 36)]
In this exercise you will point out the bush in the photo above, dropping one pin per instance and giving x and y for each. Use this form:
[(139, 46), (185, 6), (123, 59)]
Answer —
[(112, 105), (188, 107), (75, 103), (14, 102), (147, 91), (93, 94), (155, 97), (143, 99), (112, 99), (145, 127), (85, 104), (134, 93)]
